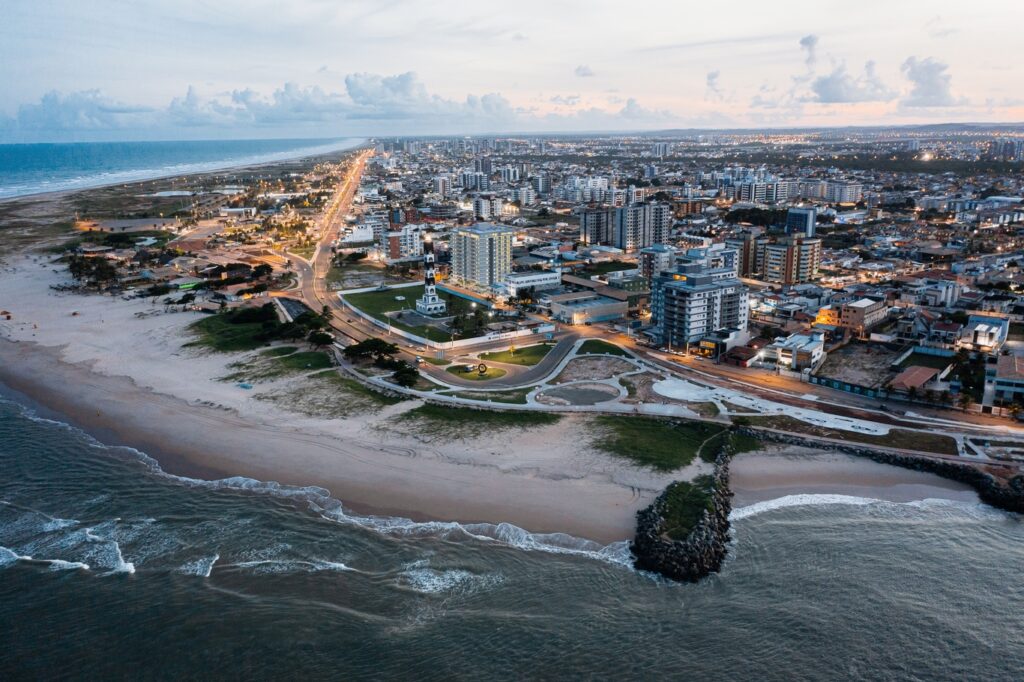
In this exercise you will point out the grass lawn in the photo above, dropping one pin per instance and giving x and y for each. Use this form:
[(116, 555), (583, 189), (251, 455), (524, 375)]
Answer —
[(659, 444), (306, 251), (463, 421), (218, 333), (439, 362), (278, 351), (932, 361), (905, 439), (474, 375), (310, 360), (599, 347), (685, 502), (528, 355), (377, 303)]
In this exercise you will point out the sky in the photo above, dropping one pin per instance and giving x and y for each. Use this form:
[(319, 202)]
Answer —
[(79, 70)]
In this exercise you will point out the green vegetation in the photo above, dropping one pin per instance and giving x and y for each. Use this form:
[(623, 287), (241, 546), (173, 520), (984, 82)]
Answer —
[(456, 422), (308, 360), (704, 409), (528, 355), (599, 347), (474, 375), (685, 503), (358, 389), (278, 352), (904, 439), (656, 443), (922, 360), (249, 328), (629, 386), (439, 362)]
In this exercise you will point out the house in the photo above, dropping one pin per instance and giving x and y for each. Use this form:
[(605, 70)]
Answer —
[(984, 334), (797, 352)]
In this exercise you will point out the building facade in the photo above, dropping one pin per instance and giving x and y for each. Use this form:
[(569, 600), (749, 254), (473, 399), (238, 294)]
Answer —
[(481, 255)]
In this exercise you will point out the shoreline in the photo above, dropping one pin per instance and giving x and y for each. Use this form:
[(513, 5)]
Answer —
[(119, 371), (56, 194)]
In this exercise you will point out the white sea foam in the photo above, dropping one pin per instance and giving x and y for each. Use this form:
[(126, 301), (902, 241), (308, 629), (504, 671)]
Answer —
[(290, 566), (419, 576), (9, 557), (115, 562), (201, 567), (938, 505), (320, 500), (61, 565)]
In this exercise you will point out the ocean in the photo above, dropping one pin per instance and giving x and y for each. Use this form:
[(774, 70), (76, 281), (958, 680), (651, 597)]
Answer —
[(111, 568), (27, 169)]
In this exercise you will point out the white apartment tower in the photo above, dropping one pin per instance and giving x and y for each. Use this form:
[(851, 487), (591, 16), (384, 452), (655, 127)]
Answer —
[(481, 255)]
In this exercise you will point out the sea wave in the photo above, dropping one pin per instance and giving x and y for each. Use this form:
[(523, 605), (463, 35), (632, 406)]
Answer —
[(419, 576), (320, 501), (934, 505)]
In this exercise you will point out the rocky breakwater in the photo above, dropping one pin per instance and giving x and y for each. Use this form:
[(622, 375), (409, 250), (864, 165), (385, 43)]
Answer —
[(684, 533)]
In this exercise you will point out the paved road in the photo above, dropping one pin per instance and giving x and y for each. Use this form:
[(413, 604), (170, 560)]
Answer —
[(529, 375)]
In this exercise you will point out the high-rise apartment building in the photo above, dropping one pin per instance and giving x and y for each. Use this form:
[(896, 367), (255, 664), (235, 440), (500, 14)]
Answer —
[(640, 225), (481, 255), (792, 260), (839, 192), (597, 225), (689, 307)]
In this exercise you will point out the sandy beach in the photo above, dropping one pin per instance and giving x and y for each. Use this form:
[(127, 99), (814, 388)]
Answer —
[(120, 370)]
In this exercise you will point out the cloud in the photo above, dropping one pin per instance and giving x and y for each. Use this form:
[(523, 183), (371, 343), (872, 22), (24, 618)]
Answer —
[(937, 28), (83, 110), (367, 104), (931, 85), (584, 71), (809, 44), (565, 100), (714, 90), (841, 87)]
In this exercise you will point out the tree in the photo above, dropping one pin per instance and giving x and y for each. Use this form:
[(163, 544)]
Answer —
[(406, 375), (912, 393), (326, 313), (376, 348), (319, 339), (262, 270), (965, 401)]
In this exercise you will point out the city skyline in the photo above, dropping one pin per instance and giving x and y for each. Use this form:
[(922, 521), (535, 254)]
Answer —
[(413, 69)]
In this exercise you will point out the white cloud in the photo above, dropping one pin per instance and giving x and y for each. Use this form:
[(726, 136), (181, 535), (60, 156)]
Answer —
[(841, 87), (368, 104), (931, 84), (809, 44), (714, 90), (584, 71)]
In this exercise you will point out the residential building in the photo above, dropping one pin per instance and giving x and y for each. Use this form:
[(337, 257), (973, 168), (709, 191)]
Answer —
[(838, 192), (640, 225), (656, 259), (792, 260), (404, 244), (597, 225), (481, 255), (797, 352), (689, 307), (862, 315)]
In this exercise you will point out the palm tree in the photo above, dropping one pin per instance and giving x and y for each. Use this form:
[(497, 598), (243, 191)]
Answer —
[(912, 393), (965, 401), (1015, 409)]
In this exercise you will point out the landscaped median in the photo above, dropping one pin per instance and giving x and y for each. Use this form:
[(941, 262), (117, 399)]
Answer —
[(599, 347), (526, 356), (473, 373)]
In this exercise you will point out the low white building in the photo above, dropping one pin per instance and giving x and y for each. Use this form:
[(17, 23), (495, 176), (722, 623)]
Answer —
[(797, 351), (518, 282)]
